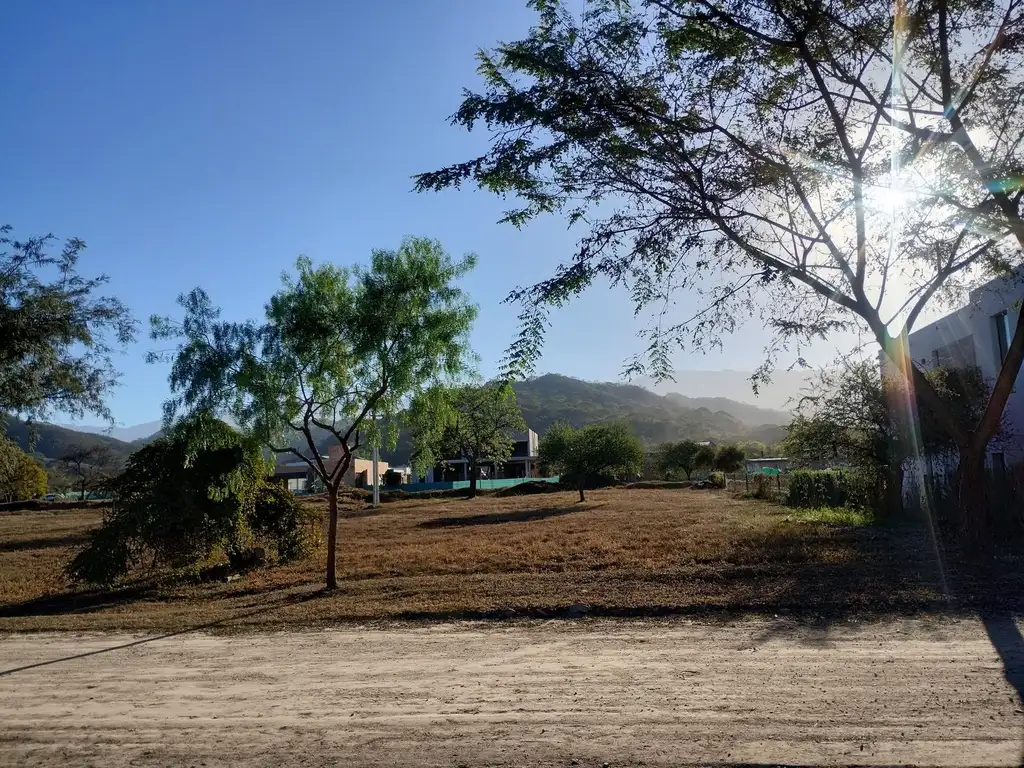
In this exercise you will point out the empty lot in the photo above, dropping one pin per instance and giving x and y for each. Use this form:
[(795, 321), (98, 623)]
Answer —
[(923, 692), (625, 552)]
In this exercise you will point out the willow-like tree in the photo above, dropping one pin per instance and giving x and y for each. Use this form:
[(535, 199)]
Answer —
[(340, 351), (475, 423), (815, 165)]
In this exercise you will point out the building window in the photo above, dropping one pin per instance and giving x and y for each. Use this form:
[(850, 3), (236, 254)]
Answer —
[(1002, 335), (957, 354), (296, 484)]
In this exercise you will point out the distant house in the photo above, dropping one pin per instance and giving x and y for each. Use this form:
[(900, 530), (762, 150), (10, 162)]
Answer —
[(522, 463), (296, 475), (778, 463)]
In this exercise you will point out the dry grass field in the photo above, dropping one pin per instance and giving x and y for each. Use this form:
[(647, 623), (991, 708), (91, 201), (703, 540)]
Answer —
[(623, 552)]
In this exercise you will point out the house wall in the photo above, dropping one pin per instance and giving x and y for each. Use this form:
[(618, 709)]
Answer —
[(969, 336)]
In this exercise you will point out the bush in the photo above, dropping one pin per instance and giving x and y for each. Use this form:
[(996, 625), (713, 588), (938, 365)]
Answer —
[(198, 491), (717, 479), (765, 487), (830, 488), (21, 476), (278, 517)]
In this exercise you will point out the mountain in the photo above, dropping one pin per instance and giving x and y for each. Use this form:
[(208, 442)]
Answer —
[(778, 394), (53, 441), (134, 433), (652, 417), (751, 415)]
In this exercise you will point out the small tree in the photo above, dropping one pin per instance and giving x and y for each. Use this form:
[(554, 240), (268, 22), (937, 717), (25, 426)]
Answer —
[(729, 458), (90, 465), (856, 417), (471, 422), (678, 457), (21, 476), (704, 460), (591, 454), (339, 353), (56, 337)]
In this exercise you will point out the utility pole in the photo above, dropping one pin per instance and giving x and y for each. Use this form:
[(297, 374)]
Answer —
[(376, 478)]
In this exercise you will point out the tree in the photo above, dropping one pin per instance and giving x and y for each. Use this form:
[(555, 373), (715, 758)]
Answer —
[(340, 350), (729, 458), (678, 457), (57, 334), (596, 453), (813, 166), (197, 489), (477, 423), (90, 465), (753, 449), (21, 476), (704, 459), (850, 418)]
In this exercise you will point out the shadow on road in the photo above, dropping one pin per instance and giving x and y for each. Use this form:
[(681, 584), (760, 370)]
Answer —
[(1006, 638), (496, 518), (269, 607)]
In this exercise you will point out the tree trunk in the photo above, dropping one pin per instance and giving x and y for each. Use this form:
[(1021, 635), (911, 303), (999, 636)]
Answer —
[(975, 516), (894, 491), (472, 479), (581, 492), (332, 536)]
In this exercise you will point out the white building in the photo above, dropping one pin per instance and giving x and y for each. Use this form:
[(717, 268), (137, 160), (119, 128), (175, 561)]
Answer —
[(978, 334)]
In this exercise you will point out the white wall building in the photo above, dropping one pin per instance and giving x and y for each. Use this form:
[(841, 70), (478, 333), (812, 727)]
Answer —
[(978, 334)]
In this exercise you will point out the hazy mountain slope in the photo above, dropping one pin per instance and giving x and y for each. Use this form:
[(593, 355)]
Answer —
[(750, 415), (128, 434), (778, 394), (53, 441)]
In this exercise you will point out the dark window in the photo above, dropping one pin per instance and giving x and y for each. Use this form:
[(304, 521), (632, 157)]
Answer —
[(1002, 336)]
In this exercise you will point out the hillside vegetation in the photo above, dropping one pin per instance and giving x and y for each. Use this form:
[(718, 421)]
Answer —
[(544, 400)]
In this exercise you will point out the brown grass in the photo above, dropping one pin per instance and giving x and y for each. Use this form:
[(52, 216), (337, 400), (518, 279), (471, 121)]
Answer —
[(624, 551)]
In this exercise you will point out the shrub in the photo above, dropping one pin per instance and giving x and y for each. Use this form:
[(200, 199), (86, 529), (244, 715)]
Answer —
[(278, 517), (717, 479), (183, 497), (830, 488), (764, 487)]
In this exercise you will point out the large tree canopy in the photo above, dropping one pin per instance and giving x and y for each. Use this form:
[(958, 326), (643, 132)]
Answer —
[(341, 350), (57, 334), (858, 162)]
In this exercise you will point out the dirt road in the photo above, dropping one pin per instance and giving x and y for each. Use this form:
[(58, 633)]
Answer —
[(908, 692)]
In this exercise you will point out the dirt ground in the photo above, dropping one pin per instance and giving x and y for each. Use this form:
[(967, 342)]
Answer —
[(556, 693)]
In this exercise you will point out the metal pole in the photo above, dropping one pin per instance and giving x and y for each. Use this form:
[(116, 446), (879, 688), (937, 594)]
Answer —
[(376, 478)]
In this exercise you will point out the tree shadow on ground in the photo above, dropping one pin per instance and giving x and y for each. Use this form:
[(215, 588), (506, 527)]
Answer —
[(496, 518), (288, 600), (85, 601), (1005, 636), (45, 542)]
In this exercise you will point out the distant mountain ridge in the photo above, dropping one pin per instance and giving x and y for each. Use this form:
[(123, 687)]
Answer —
[(125, 434), (653, 417), (53, 441)]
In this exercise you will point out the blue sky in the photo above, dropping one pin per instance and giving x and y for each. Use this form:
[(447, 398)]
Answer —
[(210, 143)]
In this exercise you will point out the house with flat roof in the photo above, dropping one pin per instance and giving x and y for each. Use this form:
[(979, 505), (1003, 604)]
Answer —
[(522, 463), (297, 476)]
